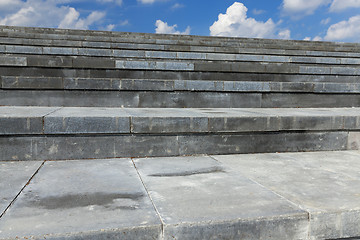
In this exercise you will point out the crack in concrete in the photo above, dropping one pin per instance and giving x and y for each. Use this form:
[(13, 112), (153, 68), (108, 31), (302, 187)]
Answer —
[(22, 189)]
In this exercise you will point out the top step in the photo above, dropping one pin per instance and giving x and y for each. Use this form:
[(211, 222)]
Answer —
[(104, 36)]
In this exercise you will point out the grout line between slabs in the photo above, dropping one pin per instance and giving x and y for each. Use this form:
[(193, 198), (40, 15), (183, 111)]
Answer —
[(152, 202), (22, 189)]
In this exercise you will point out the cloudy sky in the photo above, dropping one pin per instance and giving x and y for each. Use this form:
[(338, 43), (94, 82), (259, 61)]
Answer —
[(328, 20)]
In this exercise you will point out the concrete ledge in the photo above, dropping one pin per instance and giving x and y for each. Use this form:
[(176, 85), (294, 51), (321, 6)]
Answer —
[(182, 65), (196, 197), (62, 147), (116, 84), (53, 46), (257, 55), (71, 120), (171, 39), (176, 99), (171, 75)]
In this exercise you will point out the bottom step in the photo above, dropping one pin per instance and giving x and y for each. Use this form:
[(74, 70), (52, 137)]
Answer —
[(311, 195)]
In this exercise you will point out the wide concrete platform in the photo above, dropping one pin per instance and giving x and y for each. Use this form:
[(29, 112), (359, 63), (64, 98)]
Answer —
[(80, 120), (312, 195)]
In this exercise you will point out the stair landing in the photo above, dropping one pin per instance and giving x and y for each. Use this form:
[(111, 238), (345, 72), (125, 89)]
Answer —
[(313, 195)]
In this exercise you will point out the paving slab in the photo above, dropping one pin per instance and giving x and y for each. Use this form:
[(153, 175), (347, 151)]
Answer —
[(87, 120), (23, 120), (326, 184), (13, 177), (200, 198), (83, 200)]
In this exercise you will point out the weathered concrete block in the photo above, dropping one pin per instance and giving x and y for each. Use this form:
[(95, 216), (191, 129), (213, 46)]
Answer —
[(11, 82), (86, 121), (13, 61), (13, 177), (353, 141), (49, 61), (93, 63), (68, 199), (213, 202)]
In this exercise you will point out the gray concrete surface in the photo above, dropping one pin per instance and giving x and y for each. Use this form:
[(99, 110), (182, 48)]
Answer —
[(305, 196), (83, 200), (323, 183), (13, 177), (197, 198), (116, 84), (90, 146), (79, 120)]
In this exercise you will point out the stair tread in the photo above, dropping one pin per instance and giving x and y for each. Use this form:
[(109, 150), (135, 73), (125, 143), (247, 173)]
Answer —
[(87, 120), (282, 195)]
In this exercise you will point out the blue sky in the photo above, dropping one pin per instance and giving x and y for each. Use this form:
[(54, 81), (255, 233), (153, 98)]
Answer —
[(329, 20)]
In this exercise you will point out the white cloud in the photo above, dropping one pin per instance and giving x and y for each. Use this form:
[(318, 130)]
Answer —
[(150, 1), (258, 11), (235, 23), (325, 21), (49, 13), (338, 5), (177, 6), (284, 34), (307, 39), (317, 38), (73, 20), (163, 27), (345, 30), (299, 8), (9, 5), (110, 27), (124, 23)]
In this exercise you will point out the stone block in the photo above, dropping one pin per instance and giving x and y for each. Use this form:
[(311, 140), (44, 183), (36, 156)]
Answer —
[(91, 84), (353, 141), (214, 202), (314, 70), (13, 177), (60, 51), (144, 85), (93, 63), (13, 61), (87, 121), (10, 82), (23, 49), (83, 200), (49, 61)]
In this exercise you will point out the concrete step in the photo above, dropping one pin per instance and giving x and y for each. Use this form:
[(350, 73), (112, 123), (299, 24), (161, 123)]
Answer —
[(253, 196), (68, 47), (121, 84), (175, 99), (178, 65), (260, 56), (51, 72), (29, 133), (58, 34)]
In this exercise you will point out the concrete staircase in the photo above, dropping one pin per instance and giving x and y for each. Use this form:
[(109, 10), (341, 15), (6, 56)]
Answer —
[(198, 85), (85, 95)]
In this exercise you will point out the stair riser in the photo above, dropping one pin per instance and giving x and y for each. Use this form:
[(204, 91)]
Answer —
[(170, 39), (170, 75), (134, 99), (68, 45), (110, 84), (185, 54), (168, 65), (90, 147)]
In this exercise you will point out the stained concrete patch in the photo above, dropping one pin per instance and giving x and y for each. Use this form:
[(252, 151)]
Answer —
[(326, 184), (13, 177), (199, 198), (83, 200)]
